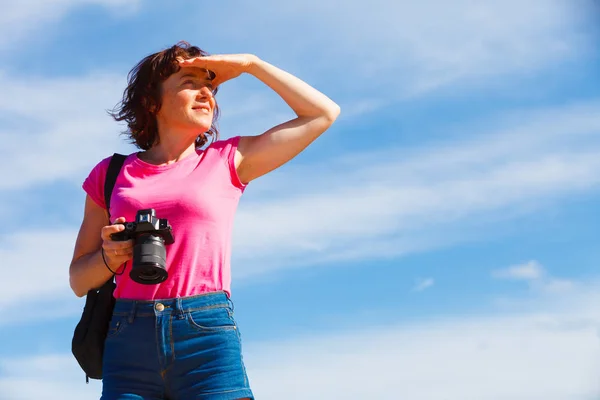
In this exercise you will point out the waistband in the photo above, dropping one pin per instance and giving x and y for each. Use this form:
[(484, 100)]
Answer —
[(179, 305)]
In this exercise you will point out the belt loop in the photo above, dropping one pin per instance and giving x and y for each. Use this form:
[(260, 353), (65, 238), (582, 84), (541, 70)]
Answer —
[(132, 312), (179, 306)]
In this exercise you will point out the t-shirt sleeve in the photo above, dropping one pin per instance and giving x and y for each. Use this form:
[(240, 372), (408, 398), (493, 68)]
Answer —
[(94, 183), (227, 149)]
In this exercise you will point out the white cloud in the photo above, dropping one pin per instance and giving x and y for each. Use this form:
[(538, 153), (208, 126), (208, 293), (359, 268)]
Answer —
[(557, 285), (414, 47), (422, 284), (65, 129), (550, 351), (36, 265), (528, 31), (399, 201), (537, 278), (547, 347), (22, 19), (472, 359), (37, 377), (405, 200), (529, 271)]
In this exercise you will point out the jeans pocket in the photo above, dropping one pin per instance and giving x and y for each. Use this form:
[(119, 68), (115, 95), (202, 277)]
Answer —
[(212, 319)]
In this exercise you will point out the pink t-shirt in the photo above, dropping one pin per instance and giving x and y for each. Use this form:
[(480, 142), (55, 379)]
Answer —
[(198, 195)]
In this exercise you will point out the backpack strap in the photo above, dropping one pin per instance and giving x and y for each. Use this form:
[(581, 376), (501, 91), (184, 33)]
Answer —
[(114, 167)]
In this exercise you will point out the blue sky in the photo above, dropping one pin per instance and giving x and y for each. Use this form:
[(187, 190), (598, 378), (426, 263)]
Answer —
[(440, 241)]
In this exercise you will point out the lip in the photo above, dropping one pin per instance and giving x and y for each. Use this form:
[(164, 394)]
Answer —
[(203, 108)]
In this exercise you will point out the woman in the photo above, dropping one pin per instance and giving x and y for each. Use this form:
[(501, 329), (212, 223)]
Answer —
[(178, 339)]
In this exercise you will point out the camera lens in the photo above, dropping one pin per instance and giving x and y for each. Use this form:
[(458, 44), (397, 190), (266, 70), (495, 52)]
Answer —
[(150, 274), (149, 260)]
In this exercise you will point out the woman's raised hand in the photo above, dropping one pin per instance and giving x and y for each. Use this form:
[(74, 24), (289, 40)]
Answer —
[(225, 66)]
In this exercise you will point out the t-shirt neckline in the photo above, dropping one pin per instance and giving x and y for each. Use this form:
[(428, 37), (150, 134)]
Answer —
[(146, 165)]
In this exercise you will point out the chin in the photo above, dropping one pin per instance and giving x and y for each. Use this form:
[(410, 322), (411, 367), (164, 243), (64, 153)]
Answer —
[(199, 126), (202, 122)]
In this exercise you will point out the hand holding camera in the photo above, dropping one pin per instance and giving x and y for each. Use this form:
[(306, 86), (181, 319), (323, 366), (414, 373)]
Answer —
[(116, 252), (149, 236)]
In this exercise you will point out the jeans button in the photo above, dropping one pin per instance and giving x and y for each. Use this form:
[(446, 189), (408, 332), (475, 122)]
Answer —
[(159, 306)]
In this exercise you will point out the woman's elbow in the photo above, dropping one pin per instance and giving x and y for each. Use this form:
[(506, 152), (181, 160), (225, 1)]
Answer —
[(75, 284), (79, 292), (333, 111)]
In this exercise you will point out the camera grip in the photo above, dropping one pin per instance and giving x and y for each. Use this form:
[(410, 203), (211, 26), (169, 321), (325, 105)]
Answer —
[(120, 236)]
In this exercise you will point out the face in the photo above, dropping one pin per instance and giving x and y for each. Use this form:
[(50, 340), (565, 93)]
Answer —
[(187, 102)]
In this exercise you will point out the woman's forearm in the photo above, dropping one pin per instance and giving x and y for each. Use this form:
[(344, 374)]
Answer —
[(302, 98), (88, 272)]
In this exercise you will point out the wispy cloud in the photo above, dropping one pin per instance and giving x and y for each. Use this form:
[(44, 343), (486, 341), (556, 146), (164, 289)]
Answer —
[(400, 200), (406, 200), (54, 375), (21, 19), (416, 47), (64, 135), (528, 271), (367, 205), (550, 352), (37, 264), (547, 351), (422, 284), (487, 358), (376, 203), (536, 276)]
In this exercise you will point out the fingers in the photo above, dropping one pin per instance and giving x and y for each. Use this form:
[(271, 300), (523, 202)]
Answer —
[(200, 62), (118, 256), (118, 248), (116, 252), (114, 228), (194, 62)]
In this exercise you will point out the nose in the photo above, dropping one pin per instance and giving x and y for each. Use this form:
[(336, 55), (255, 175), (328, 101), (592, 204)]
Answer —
[(204, 93)]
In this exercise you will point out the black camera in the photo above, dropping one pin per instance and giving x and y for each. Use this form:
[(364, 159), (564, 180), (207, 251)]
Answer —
[(150, 235)]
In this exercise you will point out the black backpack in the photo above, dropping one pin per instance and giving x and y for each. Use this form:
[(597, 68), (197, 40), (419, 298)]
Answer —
[(90, 333)]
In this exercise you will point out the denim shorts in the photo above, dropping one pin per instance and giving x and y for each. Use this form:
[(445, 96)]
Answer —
[(175, 349)]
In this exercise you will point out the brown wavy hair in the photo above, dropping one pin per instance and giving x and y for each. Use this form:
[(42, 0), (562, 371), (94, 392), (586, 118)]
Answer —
[(142, 97)]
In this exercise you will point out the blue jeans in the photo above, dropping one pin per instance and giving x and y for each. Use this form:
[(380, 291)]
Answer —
[(184, 348)]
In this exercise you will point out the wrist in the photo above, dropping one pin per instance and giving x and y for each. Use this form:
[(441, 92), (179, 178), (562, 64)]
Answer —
[(254, 65), (109, 263)]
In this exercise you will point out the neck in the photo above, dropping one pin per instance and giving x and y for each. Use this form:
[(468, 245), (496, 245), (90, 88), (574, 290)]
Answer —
[(172, 147)]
